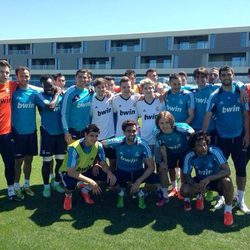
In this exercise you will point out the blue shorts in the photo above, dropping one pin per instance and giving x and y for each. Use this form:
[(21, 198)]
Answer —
[(25, 145), (52, 144), (124, 177), (70, 183), (234, 147), (76, 135)]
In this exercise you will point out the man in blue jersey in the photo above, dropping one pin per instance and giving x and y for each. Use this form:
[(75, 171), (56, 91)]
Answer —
[(83, 165), (130, 153), (76, 107), (231, 126), (24, 130), (212, 173), (52, 137)]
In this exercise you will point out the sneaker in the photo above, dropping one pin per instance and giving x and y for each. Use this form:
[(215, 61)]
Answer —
[(209, 195), (87, 199), (162, 201), (228, 219), (187, 206), (120, 201), (243, 207), (179, 196), (200, 203), (46, 192), (52, 182), (220, 203), (173, 193), (19, 194), (13, 197), (28, 191), (141, 203), (67, 204), (58, 188)]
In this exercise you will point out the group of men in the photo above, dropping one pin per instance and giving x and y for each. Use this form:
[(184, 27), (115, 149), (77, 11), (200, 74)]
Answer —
[(138, 127)]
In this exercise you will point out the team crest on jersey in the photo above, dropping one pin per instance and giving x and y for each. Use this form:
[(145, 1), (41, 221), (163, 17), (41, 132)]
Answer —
[(157, 109), (137, 154), (180, 102), (7, 90), (120, 106), (144, 110), (75, 98)]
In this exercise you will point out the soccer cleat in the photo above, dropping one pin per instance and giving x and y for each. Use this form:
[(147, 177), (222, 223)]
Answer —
[(209, 195), (200, 203), (28, 191), (52, 182), (180, 197), (173, 193), (243, 207), (19, 194), (228, 219), (58, 188), (220, 203), (13, 197), (86, 197), (120, 201), (162, 201), (46, 192), (187, 206), (141, 203), (67, 204)]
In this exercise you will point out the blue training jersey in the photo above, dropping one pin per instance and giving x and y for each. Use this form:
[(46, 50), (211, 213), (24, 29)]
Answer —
[(178, 104), (201, 96), (129, 158), (204, 166), (76, 109), (177, 140), (24, 111), (227, 109), (50, 119)]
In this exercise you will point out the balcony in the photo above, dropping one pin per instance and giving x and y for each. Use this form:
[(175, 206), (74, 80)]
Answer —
[(97, 66), (68, 51), (229, 63), (39, 67), (156, 65), (189, 46), (135, 48), (19, 52)]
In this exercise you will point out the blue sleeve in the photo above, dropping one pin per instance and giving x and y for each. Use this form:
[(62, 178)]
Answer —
[(101, 153), (65, 111), (72, 157), (40, 100), (187, 167)]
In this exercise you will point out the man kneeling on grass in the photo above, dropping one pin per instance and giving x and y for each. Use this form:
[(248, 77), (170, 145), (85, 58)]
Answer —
[(212, 172), (131, 151), (80, 168)]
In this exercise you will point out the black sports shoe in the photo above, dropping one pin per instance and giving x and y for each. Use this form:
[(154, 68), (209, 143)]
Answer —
[(14, 198)]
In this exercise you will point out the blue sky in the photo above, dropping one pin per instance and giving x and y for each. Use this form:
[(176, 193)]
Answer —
[(62, 18)]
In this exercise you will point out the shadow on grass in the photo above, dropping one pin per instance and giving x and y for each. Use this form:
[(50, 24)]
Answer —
[(49, 211)]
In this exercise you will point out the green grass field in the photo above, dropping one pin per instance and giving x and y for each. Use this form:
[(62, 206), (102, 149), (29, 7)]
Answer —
[(39, 223)]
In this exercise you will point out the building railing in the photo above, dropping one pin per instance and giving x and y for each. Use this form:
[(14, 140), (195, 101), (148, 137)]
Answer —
[(18, 51), (229, 63), (125, 48), (68, 51), (43, 67), (156, 65), (187, 46), (97, 66)]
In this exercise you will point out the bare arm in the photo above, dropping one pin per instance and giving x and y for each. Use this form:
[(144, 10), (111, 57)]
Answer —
[(190, 116)]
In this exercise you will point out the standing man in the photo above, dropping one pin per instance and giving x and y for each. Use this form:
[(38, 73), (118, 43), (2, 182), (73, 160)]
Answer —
[(7, 88), (232, 127), (60, 80), (76, 107)]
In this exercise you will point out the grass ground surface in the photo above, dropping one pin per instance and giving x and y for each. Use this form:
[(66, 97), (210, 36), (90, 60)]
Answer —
[(39, 223)]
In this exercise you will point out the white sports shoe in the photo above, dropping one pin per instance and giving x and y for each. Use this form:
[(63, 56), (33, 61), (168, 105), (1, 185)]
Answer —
[(243, 207), (220, 203)]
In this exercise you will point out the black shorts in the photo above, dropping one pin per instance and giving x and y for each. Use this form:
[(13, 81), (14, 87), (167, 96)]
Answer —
[(175, 160), (52, 144), (25, 145), (213, 185), (76, 135)]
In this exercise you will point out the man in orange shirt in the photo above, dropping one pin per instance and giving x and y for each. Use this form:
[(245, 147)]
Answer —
[(6, 141)]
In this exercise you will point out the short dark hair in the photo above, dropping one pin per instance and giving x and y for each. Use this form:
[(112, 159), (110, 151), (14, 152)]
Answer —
[(45, 77), (198, 136), (84, 71), (200, 71), (226, 68), (183, 73), (151, 71), (58, 75), (91, 128), (174, 76), (129, 72), (21, 68), (124, 79), (128, 123), (4, 63), (109, 78), (99, 81)]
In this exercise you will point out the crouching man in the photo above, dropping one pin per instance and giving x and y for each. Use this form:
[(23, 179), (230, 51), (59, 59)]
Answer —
[(212, 172), (80, 168)]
